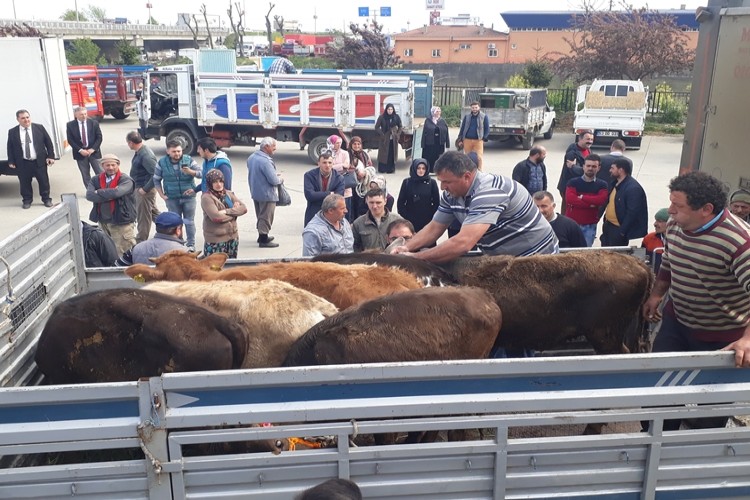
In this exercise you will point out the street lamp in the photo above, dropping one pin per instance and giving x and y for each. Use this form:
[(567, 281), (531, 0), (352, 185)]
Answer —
[(148, 6), (76, 6)]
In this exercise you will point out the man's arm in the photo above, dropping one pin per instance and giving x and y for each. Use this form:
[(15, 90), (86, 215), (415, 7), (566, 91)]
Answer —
[(651, 306), (148, 162), (311, 245), (427, 236), (74, 142), (96, 144), (486, 128), (454, 247)]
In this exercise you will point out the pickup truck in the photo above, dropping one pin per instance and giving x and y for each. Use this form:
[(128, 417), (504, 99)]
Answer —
[(157, 420), (521, 114), (612, 109)]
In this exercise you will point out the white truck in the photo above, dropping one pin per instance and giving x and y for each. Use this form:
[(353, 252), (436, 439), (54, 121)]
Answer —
[(211, 99), (520, 114), (612, 109), (39, 85), (156, 421)]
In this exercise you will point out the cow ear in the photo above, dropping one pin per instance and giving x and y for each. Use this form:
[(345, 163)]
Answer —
[(143, 273), (215, 260)]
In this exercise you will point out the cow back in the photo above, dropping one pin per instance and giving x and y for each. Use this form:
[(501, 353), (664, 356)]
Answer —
[(418, 325), (428, 273)]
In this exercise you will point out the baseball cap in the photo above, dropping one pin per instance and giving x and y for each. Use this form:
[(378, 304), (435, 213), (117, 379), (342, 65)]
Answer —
[(168, 219), (662, 215)]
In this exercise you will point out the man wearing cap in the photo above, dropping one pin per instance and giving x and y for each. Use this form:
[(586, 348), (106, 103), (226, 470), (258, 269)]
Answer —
[(168, 237), (739, 204), (113, 194), (655, 240)]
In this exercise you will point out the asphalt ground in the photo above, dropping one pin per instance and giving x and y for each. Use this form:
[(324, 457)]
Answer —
[(653, 166)]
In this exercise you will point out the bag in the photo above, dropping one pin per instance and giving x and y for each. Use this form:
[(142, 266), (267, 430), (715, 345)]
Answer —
[(350, 180), (284, 199)]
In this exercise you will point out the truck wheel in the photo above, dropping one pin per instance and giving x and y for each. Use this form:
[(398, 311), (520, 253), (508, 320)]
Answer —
[(316, 146), (185, 137), (119, 115), (527, 141), (548, 134)]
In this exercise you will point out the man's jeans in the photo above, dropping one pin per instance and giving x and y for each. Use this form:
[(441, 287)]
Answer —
[(186, 208), (589, 233)]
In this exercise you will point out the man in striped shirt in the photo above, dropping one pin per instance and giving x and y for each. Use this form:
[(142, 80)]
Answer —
[(496, 214), (706, 269)]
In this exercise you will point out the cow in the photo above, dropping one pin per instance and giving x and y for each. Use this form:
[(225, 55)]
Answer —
[(273, 314), (430, 324), (343, 286), (428, 273), (124, 334), (547, 299)]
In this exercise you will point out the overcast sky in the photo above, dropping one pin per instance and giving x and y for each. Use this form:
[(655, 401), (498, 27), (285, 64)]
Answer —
[(404, 13)]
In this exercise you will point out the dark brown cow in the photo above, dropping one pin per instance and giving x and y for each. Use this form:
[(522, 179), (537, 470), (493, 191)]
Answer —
[(125, 334), (343, 286), (547, 299), (428, 273)]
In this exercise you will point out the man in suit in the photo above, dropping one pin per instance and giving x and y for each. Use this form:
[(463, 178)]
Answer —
[(30, 152), (85, 137)]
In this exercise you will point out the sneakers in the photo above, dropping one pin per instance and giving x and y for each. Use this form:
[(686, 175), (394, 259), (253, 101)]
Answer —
[(191, 249), (268, 244)]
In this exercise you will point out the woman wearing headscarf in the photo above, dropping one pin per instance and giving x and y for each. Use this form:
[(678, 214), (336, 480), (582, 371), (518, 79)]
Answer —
[(220, 211), (435, 138), (389, 127), (343, 167), (419, 197)]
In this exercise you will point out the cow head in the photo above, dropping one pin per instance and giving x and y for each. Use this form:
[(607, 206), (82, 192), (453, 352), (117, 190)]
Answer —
[(177, 265)]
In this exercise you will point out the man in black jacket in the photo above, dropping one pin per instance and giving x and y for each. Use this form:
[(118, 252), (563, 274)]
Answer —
[(30, 152), (532, 172), (98, 248), (626, 212), (568, 232)]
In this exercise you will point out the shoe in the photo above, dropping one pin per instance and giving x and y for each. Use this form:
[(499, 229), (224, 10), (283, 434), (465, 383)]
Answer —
[(270, 238), (48, 203), (191, 249), (268, 244), (26, 205)]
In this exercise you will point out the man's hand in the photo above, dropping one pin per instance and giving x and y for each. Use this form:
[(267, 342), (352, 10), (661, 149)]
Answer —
[(651, 309), (10, 165), (189, 192), (141, 191), (401, 250), (50, 161), (570, 163), (741, 350)]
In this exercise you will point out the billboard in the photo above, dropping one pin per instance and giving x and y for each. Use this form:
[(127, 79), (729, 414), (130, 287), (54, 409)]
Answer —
[(435, 4)]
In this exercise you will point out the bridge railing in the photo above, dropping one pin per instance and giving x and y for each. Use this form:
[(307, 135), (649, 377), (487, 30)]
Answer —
[(95, 28)]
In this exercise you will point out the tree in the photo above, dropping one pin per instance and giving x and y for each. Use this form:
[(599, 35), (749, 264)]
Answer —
[(238, 31), (129, 54), (278, 22), (269, 31), (517, 82), (538, 74), (84, 52), (208, 29), (153, 21), (367, 49), (96, 13), (632, 44), (70, 15)]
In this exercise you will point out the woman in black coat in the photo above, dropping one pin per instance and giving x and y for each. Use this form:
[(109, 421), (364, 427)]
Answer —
[(388, 126), (435, 139), (419, 197)]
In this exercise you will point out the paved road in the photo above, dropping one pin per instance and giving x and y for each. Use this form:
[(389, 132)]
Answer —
[(654, 165)]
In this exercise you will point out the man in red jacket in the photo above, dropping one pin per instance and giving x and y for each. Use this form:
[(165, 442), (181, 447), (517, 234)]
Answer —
[(584, 197)]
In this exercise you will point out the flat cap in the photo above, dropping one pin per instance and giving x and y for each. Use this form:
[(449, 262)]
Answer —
[(110, 157), (168, 219), (740, 195)]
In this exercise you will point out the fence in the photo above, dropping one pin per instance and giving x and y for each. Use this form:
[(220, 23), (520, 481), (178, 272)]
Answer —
[(563, 100)]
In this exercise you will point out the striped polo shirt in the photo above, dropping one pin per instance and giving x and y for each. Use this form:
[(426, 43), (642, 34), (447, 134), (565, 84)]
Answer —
[(516, 225), (709, 276)]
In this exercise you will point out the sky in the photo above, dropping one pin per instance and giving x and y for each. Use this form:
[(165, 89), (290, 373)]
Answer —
[(405, 14)]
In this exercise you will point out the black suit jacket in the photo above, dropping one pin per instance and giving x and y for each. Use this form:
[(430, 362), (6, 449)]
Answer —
[(93, 134), (41, 140)]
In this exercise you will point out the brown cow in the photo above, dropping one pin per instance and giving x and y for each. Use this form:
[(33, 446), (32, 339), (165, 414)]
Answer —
[(547, 299), (428, 273), (124, 334), (272, 313), (343, 286)]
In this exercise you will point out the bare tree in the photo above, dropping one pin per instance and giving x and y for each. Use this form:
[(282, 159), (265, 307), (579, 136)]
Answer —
[(208, 29), (269, 31), (237, 28), (194, 30), (278, 22), (366, 49), (633, 44)]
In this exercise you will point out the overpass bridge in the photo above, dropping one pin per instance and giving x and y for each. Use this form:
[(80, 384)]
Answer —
[(150, 37)]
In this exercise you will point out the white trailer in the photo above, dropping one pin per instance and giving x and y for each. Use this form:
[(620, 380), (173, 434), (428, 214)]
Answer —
[(612, 109), (40, 85)]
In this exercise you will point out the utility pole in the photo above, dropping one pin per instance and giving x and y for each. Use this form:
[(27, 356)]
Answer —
[(315, 21), (76, 5), (148, 6)]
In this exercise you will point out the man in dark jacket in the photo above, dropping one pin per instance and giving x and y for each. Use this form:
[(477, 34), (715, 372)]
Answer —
[(319, 183), (113, 195), (98, 248), (575, 157), (532, 172), (142, 172), (30, 152), (626, 211), (568, 232), (85, 138)]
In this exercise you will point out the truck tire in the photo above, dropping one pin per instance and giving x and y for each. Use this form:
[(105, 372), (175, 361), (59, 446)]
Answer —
[(185, 137), (119, 115), (315, 147), (548, 134), (527, 141)]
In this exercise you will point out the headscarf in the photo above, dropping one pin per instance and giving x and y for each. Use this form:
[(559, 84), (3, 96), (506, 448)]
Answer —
[(212, 176), (331, 141), (413, 177), (389, 120), (364, 185), (432, 114), (360, 155)]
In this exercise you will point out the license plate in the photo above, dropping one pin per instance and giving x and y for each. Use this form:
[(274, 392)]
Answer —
[(607, 133)]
